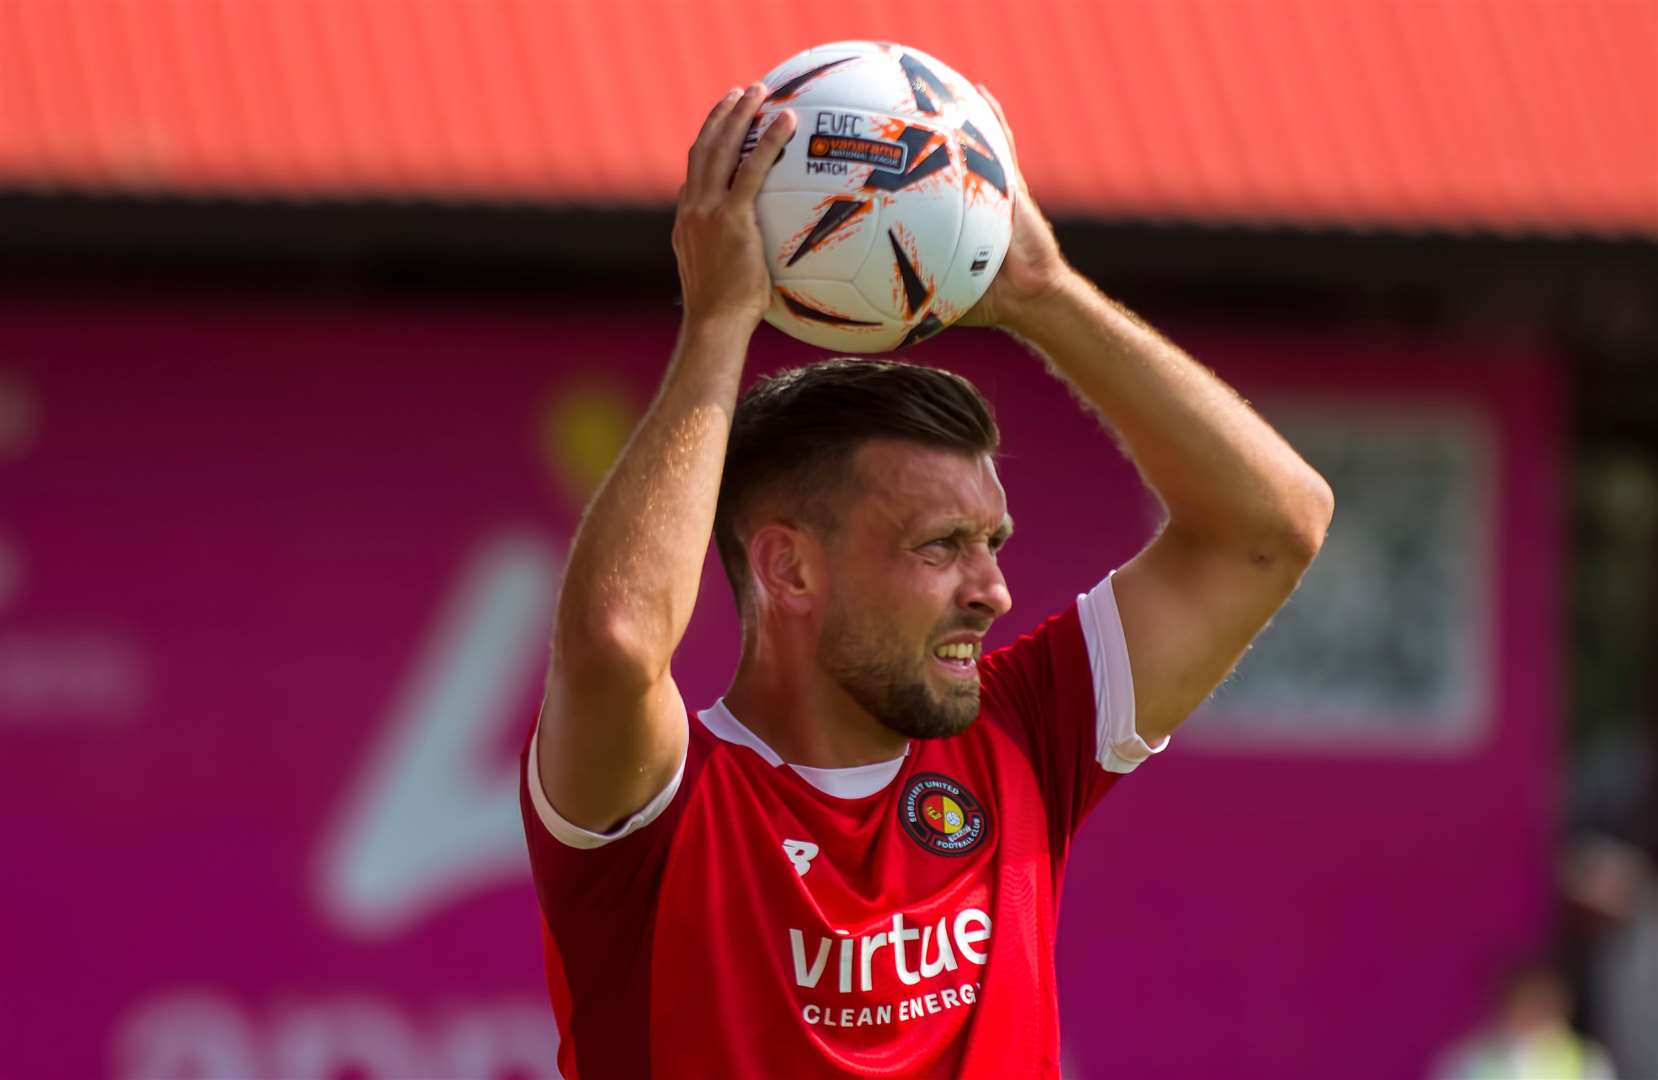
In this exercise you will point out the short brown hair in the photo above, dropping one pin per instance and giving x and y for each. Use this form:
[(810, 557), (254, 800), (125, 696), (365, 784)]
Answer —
[(796, 432)]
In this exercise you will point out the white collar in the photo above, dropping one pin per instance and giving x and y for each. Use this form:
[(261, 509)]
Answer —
[(853, 782)]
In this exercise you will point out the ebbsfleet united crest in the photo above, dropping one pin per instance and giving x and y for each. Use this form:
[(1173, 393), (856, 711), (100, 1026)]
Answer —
[(941, 815)]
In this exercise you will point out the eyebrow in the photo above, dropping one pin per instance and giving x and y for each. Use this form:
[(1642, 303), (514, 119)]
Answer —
[(966, 528)]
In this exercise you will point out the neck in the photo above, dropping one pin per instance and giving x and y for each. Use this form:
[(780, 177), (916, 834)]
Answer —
[(806, 717)]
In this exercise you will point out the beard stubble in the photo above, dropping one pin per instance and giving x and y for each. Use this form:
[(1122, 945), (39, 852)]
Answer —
[(888, 681)]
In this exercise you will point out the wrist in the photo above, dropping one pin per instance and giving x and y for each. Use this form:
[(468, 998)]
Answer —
[(718, 328), (1065, 291)]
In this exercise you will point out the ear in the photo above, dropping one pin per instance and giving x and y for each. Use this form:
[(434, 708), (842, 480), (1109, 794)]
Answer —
[(782, 563)]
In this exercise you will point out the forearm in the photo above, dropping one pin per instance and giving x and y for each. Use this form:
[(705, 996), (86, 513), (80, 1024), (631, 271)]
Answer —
[(1223, 474), (631, 581)]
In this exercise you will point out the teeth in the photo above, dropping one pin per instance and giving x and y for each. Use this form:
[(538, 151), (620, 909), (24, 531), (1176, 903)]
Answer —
[(960, 651)]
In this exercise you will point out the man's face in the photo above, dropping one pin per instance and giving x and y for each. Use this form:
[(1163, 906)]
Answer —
[(913, 584)]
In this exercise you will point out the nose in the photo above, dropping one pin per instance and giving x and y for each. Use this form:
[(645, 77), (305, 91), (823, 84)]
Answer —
[(984, 589)]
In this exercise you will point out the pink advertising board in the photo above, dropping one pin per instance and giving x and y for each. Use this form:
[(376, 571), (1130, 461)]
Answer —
[(274, 590)]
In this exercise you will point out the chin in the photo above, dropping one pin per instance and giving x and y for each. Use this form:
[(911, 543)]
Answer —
[(919, 713), (904, 696)]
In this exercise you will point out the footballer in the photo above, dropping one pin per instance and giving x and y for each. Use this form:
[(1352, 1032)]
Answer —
[(849, 865)]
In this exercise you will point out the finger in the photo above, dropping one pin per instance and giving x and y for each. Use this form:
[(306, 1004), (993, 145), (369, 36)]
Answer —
[(705, 136), (721, 107), (726, 144), (746, 184)]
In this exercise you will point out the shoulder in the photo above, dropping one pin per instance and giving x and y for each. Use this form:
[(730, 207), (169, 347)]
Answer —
[(1023, 677)]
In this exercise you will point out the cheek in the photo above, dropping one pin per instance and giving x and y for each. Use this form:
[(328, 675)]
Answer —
[(867, 581), (921, 602), (900, 595)]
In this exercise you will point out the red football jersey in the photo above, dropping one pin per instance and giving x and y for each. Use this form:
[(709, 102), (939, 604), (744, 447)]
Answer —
[(760, 919)]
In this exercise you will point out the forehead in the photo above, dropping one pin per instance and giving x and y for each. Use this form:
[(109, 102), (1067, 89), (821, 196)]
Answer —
[(906, 484)]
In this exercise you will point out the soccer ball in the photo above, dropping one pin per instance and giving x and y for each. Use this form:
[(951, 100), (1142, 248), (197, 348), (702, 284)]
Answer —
[(890, 210)]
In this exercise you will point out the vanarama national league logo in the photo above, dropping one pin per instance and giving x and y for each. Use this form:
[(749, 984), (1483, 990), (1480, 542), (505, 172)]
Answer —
[(942, 816)]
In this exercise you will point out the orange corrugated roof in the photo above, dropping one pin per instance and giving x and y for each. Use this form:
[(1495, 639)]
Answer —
[(1507, 114)]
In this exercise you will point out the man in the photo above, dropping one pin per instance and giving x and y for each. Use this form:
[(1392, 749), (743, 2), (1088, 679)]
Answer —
[(850, 865), (1529, 1034)]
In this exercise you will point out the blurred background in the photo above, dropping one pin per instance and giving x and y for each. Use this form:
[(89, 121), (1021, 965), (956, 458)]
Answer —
[(320, 320)]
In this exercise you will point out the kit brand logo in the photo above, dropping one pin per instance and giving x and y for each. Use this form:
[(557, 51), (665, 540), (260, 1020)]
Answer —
[(800, 853)]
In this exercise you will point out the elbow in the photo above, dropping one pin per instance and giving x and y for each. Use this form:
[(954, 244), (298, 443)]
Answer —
[(612, 654), (1285, 541), (1306, 519), (1278, 529)]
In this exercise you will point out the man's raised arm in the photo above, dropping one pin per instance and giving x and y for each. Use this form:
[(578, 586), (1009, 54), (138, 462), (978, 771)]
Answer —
[(613, 726), (1246, 515)]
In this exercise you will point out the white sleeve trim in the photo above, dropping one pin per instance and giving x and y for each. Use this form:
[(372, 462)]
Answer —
[(1118, 747), (574, 835)]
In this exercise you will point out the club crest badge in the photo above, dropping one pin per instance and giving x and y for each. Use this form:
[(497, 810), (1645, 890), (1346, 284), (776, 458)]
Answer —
[(942, 815)]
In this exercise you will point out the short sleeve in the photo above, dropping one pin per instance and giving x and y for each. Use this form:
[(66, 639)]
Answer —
[(1065, 694), (599, 894), (576, 870), (1118, 746), (574, 835)]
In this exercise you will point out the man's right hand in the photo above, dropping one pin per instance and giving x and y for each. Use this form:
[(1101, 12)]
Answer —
[(722, 263)]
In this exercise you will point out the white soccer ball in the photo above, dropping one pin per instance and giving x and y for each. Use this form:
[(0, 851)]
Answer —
[(891, 208)]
